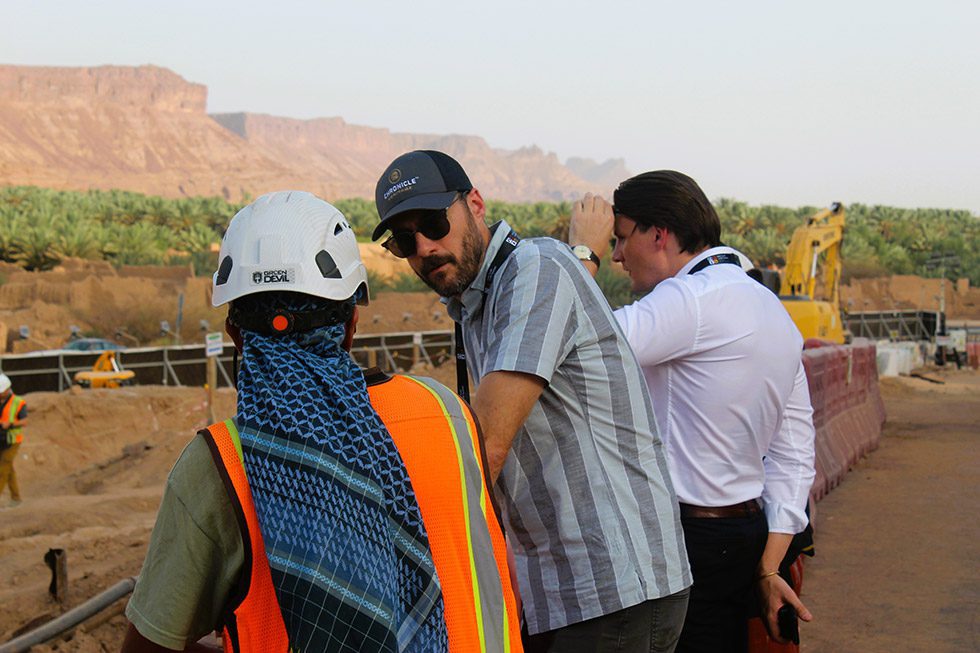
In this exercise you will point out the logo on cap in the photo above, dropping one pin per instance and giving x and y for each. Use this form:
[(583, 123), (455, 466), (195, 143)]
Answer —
[(401, 186), (395, 175)]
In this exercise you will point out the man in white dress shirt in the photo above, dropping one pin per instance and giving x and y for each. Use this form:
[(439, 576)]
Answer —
[(723, 361)]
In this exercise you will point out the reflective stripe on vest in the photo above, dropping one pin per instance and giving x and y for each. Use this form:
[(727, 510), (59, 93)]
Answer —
[(253, 620), (433, 429), (15, 435)]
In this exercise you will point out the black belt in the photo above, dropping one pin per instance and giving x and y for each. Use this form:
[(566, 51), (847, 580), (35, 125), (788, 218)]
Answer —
[(744, 509)]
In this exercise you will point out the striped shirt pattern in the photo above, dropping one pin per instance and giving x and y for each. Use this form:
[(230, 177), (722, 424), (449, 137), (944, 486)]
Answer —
[(585, 492)]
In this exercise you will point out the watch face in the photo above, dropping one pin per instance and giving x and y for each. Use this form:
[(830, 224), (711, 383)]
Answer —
[(582, 252)]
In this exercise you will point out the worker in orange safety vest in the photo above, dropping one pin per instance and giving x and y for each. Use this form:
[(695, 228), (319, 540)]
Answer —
[(434, 432), (13, 416)]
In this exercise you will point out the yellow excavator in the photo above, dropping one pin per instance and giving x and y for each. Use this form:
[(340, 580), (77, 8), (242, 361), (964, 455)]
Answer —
[(814, 255)]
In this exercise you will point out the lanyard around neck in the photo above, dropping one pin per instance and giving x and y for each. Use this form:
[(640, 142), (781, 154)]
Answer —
[(505, 249), (715, 259), (508, 245)]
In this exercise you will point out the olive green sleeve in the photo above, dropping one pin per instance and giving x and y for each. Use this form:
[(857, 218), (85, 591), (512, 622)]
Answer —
[(195, 555)]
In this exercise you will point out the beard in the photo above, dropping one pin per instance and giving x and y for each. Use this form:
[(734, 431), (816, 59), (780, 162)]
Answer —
[(449, 283)]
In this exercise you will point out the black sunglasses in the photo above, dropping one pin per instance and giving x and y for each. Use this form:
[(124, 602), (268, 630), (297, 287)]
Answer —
[(434, 226)]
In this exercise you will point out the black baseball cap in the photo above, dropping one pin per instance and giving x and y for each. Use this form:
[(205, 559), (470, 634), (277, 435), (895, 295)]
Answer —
[(423, 179)]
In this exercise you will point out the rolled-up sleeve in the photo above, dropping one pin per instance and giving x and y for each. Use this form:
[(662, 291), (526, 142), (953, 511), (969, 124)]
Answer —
[(789, 462)]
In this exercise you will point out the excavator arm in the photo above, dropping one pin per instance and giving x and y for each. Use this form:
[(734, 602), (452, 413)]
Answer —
[(821, 237), (823, 232)]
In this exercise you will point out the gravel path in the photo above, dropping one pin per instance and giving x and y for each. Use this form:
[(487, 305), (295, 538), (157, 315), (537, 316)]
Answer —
[(898, 542)]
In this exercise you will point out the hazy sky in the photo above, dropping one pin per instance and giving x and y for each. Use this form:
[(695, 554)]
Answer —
[(769, 102)]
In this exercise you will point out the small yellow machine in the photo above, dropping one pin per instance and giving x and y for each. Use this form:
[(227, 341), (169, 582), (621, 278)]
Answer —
[(105, 373), (821, 236)]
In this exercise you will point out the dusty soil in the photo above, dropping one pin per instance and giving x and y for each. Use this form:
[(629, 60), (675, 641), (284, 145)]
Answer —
[(91, 472), (898, 542), (905, 292), (99, 300), (392, 312), (896, 569)]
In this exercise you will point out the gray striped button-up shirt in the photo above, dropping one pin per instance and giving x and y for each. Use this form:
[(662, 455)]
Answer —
[(586, 498)]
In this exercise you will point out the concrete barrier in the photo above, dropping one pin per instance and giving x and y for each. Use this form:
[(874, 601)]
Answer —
[(896, 358)]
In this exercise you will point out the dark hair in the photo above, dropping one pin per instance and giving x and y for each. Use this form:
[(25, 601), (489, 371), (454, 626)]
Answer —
[(673, 201)]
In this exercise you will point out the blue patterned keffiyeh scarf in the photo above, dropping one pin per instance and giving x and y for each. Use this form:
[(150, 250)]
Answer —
[(350, 559)]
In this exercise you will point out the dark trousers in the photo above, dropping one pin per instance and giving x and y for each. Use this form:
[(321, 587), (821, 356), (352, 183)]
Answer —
[(724, 553), (650, 627)]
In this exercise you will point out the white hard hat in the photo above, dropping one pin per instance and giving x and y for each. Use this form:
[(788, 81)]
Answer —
[(4, 383), (289, 241)]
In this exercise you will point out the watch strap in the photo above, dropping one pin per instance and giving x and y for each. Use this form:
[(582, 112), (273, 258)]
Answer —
[(585, 253)]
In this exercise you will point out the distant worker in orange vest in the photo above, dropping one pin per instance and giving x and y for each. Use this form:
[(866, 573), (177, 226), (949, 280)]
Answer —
[(339, 510), (12, 420)]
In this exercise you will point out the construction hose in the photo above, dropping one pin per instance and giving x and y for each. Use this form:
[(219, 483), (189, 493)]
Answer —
[(70, 619)]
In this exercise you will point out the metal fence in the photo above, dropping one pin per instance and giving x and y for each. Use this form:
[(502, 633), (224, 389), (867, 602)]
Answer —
[(186, 364), (896, 325)]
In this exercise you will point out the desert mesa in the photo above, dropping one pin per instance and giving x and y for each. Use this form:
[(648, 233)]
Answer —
[(147, 129)]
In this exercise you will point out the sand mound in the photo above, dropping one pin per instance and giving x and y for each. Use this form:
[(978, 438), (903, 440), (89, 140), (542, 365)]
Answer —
[(408, 311), (97, 299), (907, 292)]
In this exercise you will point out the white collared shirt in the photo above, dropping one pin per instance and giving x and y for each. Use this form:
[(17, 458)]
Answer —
[(723, 362)]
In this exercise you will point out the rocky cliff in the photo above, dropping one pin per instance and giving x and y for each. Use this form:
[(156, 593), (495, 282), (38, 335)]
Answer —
[(146, 129), (150, 87), (607, 174)]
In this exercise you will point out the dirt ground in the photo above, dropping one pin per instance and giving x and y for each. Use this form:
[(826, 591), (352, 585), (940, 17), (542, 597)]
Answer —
[(898, 542), (91, 472), (93, 465), (101, 301), (904, 292)]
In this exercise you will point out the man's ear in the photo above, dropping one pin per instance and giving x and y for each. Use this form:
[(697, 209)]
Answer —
[(477, 206), (235, 333), (350, 328)]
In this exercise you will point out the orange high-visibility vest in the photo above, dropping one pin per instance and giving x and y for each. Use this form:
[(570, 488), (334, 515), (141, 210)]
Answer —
[(437, 437), (253, 620), (15, 434)]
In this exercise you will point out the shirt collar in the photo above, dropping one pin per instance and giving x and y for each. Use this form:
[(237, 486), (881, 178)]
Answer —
[(471, 300), (723, 249)]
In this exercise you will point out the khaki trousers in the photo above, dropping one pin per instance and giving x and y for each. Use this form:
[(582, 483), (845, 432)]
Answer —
[(7, 473)]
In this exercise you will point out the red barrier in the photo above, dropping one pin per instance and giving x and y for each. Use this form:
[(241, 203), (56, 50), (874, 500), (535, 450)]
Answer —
[(848, 414), (973, 354), (847, 409)]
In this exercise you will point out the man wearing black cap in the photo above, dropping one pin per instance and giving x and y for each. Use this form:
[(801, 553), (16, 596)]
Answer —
[(566, 418)]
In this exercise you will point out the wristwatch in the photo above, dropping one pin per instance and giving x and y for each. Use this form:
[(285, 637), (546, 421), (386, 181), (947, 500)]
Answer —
[(583, 253)]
